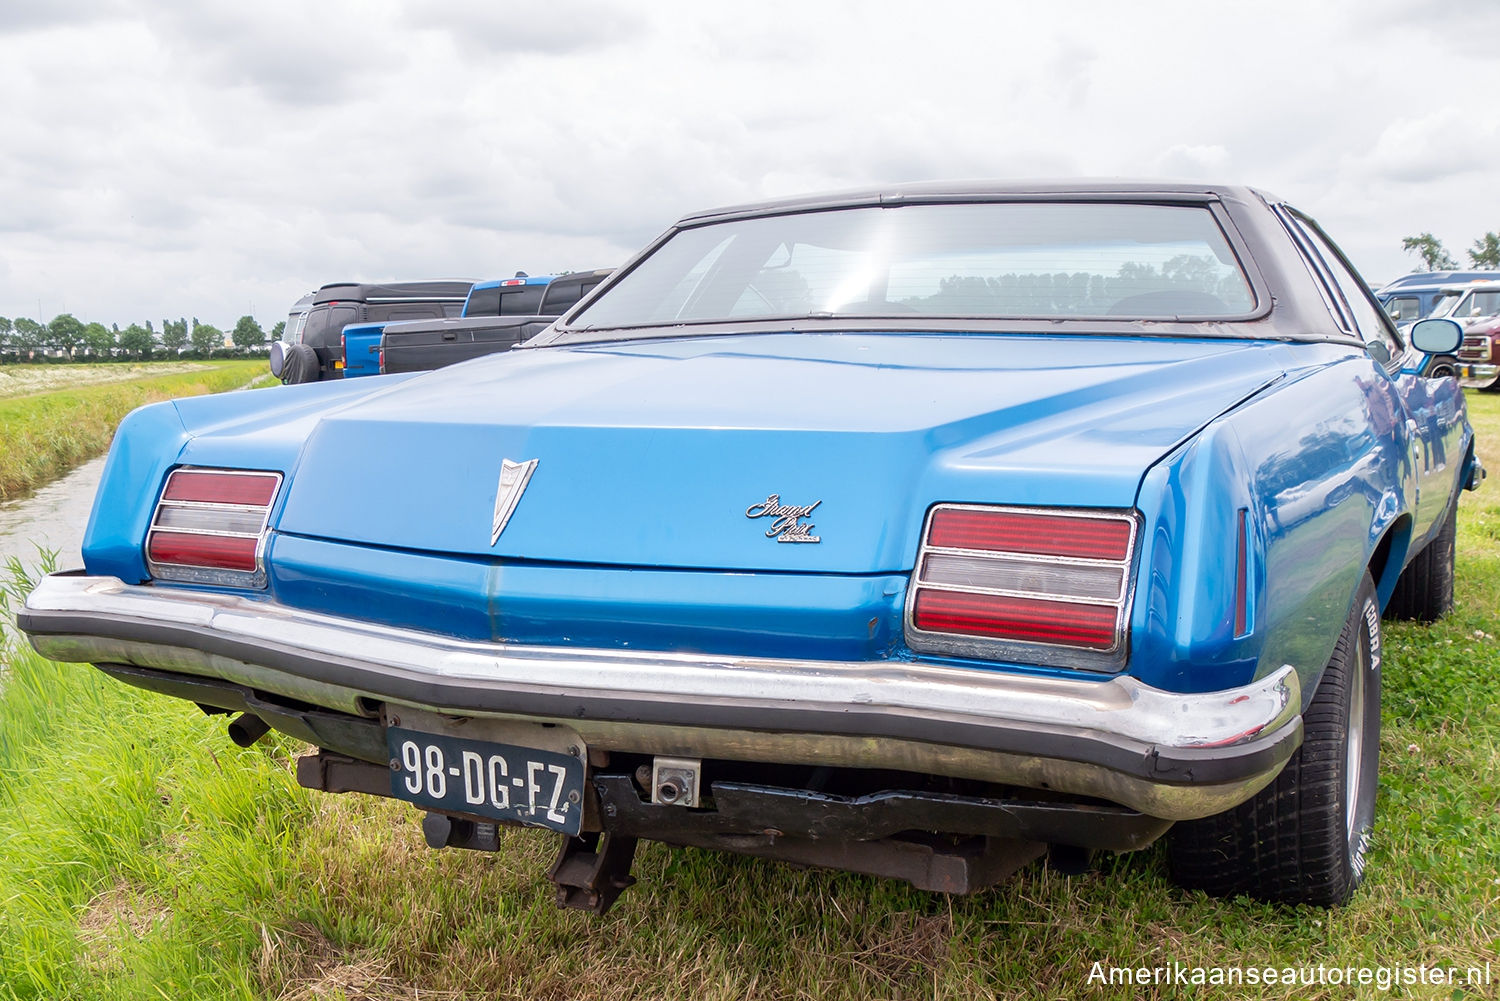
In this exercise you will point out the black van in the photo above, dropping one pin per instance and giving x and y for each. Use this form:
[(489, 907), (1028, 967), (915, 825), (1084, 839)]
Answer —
[(317, 352)]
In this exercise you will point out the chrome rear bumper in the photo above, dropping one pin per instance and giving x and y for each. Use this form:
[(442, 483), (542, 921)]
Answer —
[(1168, 755)]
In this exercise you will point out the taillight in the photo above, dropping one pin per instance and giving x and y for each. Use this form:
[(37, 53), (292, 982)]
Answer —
[(209, 527), (1028, 585)]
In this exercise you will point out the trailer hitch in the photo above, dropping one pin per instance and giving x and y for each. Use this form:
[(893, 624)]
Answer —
[(592, 870)]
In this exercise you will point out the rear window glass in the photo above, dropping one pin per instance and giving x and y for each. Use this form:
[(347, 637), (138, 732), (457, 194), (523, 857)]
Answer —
[(522, 300), (483, 302), (989, 260), (324, 324), (564, 295)]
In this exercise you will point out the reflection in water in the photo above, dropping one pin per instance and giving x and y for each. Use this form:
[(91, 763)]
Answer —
[(54, 518)]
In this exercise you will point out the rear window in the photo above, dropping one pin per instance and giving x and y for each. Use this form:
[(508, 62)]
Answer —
[(564, 295), (483, 302), (324, 323), (988, 260), (522, 300)]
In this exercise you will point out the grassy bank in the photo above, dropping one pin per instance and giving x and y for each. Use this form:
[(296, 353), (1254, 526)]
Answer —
[(142, 855), (44, 434)]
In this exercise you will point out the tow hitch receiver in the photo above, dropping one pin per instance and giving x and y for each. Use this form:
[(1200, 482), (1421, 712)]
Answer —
[(592, 870)]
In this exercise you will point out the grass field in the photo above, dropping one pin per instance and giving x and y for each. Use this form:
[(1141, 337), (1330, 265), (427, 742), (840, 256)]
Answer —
[(28, 380), (142, 855), (53, 417)]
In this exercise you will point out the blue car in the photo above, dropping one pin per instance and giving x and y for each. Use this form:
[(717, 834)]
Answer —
[(916, 532)]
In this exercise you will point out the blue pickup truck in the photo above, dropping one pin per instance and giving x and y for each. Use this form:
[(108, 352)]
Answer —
[(498, 316), (521, 295)]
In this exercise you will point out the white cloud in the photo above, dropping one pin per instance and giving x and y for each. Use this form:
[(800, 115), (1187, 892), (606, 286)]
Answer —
[(182, 158), (1434, 146), (1195, 163)]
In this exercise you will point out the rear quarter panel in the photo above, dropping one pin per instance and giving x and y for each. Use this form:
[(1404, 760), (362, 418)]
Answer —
[(1322, 467)]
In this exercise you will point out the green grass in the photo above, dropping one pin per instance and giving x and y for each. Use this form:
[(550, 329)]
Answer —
[(142, 855), (43, 435)]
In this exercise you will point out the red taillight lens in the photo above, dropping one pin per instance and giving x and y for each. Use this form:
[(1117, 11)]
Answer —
[(1032, 534), (208, 527), (200, 486), (213, 551), (1026, 619), (1035, 586)]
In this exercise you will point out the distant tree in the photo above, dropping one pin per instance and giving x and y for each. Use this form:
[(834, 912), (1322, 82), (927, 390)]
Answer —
[(174, 336), (1430, 251), (66, 332), (206, 337), (27, 335), (247, 334), (150, 329), (1486, 252), (5, 329), (136, 341), (278, 330), (99, 340)]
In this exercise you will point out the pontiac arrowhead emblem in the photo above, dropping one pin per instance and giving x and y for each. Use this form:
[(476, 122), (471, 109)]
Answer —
[(513, 479)]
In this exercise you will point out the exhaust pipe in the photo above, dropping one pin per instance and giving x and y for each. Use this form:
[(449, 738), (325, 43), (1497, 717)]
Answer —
[(246, 729)]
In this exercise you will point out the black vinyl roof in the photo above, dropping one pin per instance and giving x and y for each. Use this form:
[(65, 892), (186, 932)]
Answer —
[(981, 190)]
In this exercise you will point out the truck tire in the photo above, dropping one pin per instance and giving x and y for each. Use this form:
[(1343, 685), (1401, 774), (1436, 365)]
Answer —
[(1443, 366), (1424, 591), (300, 365), (1302, 839), (278, 357)]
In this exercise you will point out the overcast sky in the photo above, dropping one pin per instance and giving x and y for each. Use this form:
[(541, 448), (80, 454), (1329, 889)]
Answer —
[(196, 158)]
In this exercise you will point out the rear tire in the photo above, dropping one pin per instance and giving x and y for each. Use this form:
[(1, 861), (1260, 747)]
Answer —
[(1424, 591), (1443, 366), (300, 365), (1302, 839)]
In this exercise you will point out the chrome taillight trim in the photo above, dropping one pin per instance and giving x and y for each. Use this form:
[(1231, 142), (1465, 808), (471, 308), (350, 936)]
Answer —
[(1026, 651), (1116, 570), (184, 573)]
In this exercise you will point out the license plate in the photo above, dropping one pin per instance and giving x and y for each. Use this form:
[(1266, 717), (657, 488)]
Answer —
[(502, 781)]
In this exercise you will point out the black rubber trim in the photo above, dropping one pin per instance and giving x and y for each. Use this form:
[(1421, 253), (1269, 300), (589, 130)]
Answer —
[(1167, 766)]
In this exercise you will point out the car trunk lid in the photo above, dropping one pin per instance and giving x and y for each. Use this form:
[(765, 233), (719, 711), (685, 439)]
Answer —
[(773, 452)]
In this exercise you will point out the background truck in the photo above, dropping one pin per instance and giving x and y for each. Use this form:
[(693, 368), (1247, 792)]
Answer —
[(421, 345), (518, 296), (318, 353)]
